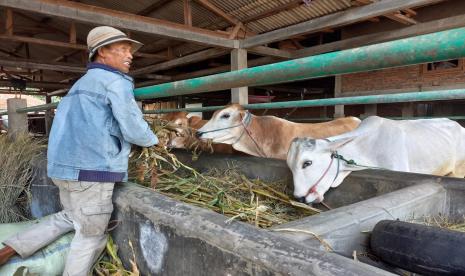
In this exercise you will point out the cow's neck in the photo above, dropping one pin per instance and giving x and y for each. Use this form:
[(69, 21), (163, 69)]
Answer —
[(262, 138)]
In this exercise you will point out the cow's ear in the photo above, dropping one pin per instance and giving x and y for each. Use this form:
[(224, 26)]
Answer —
[(337, 144)]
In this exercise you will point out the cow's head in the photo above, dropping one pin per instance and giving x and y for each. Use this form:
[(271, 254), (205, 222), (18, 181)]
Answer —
[(226, 125), (314, 168)]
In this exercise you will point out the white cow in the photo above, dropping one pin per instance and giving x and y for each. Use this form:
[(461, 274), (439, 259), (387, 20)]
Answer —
[(432, 146)]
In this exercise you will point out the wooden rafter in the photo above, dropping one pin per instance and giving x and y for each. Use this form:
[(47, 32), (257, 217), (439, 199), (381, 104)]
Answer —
[(414, 30), (68, 45), (154, 7), (42, 65), (335, 20), (403, 16), (9, 22), (187, 12), (192, 58), (98, 15)]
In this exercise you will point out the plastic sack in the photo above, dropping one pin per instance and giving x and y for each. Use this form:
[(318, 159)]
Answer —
[(48, 261)]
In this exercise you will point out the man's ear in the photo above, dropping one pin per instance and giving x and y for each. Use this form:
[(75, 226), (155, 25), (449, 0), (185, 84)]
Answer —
[(337, 144), (101, 51)]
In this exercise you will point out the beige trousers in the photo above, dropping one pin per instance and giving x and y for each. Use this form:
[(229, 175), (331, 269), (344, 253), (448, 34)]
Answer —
[(87, 208)]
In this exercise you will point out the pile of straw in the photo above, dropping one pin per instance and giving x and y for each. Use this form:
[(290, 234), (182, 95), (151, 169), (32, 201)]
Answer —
[(444, 222), (226, 192), (15, 173)]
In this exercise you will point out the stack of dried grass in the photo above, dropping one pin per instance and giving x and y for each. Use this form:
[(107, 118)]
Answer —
[(226, 192), (15, 173), (444, 222)]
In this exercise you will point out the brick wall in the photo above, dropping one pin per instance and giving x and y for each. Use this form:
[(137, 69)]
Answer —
[(409, 78)]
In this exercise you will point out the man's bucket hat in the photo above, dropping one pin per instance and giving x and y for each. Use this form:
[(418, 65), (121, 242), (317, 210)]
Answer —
[(104, 35)]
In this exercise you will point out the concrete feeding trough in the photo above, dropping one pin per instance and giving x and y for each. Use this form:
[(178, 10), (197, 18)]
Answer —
[(174, 238)]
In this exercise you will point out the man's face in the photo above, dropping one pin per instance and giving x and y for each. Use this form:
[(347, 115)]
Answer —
[(117, 55)]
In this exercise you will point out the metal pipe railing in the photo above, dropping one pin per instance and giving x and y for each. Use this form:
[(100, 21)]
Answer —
[(372, 99), (421, 49)]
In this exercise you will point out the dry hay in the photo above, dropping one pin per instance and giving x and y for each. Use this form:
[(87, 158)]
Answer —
[(15, 173), (443, 222), (109, 263), (227, 192)]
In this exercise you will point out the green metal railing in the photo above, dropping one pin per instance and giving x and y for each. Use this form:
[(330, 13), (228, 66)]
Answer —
[(372, 99), (421, 49)]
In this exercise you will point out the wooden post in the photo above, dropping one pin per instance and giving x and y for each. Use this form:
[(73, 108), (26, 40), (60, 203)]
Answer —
[(239, 95), (48, 116), (338, 109), (187, 12)]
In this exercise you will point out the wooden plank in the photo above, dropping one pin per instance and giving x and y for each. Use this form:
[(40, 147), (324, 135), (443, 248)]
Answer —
[(72, 33), (273, 52), (35, 64), (37, 84), (398, 17), (187, 12), (47, 42), (9, 22), (192, 58), (102, 16), (414, 30), (334, 20)]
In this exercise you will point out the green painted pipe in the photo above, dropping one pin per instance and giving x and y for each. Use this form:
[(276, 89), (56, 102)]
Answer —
[(421, 49), (372, 99), (3, 113)]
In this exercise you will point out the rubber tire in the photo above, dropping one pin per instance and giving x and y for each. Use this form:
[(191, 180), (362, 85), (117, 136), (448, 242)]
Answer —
[(419, 248)]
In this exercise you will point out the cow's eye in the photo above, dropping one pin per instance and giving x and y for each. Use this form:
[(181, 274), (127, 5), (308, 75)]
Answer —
[(225, 116), (306, 164)]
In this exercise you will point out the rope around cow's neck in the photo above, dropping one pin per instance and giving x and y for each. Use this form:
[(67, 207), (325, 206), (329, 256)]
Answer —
[(247, 120)]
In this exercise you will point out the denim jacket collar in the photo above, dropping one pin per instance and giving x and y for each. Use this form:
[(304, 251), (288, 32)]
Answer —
[(94, 65)]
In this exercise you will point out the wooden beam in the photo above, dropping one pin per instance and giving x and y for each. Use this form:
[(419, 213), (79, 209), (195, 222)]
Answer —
[(102, 16), (419, 29), (187, 12), (273, 52), (47, 42), (398, 17), (334, 20), (37, 84), (280, 8), (192, 58), (9, 22), (224, 68), (211, 7), (35, 64), (154, 7)]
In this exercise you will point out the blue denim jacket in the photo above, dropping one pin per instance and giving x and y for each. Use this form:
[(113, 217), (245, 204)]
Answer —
[(94, 127)]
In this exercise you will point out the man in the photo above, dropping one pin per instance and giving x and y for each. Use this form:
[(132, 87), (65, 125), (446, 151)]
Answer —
[(88, 152)]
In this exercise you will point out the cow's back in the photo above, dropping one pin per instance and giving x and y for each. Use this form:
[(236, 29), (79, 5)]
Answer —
[(430, 146)]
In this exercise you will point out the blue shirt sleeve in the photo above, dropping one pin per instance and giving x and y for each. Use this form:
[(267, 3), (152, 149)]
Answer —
[(134, 128)]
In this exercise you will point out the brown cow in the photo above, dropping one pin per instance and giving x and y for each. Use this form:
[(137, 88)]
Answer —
[(266, 136), (185, 137)]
